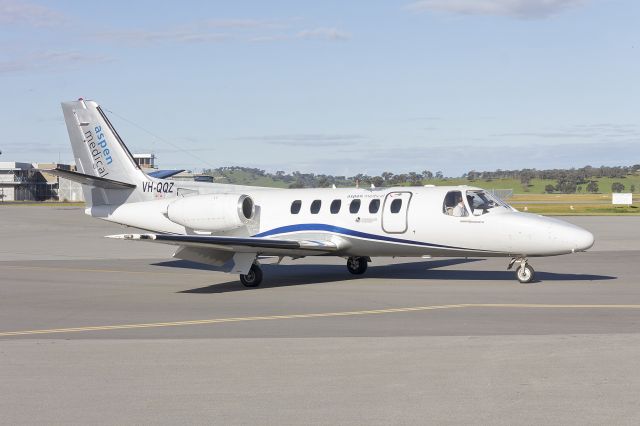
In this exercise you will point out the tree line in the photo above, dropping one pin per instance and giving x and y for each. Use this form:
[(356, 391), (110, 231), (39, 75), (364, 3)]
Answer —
[(567, 180)]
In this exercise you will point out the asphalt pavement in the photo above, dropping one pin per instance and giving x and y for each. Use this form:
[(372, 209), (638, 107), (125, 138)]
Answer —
[(106, 331)]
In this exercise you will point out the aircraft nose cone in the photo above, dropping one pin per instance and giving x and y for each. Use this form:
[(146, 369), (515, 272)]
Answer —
[(583, 240), (567, 237)]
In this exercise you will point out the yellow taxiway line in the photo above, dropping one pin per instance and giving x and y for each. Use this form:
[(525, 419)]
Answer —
[(317, 315)]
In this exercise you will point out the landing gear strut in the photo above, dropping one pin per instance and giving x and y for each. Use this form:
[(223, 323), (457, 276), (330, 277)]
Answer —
[(253, 278), (357, 265), (524, 272)]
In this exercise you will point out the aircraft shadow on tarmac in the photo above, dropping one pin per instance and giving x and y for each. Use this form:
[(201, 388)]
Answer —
[(290, 275)]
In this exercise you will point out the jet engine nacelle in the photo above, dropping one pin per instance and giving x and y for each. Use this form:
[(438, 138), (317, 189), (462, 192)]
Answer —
[(214, 212)]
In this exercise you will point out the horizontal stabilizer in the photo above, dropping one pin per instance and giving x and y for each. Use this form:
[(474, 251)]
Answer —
[(95, 181), (262, 245), (163, 174)]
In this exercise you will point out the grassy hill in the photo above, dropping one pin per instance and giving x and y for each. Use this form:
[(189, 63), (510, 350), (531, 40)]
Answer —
[(536, 186)]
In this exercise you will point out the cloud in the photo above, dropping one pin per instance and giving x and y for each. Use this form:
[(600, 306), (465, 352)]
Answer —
[(248, 23), (332, 34), (148, 37), (520, 9), (14, 12), (581, 131), (225, 30), (454, 160), (50, 60), (551, 135), (425, 118), (308, 140)]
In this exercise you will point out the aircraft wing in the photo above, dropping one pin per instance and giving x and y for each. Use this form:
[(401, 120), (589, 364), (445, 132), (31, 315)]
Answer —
[(237, 244)]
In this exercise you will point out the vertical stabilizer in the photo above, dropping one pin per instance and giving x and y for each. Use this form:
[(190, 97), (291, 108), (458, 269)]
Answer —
[(99, 151)]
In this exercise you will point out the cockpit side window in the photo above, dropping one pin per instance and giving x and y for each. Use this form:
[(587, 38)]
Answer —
[(453, 204), (481, 202)]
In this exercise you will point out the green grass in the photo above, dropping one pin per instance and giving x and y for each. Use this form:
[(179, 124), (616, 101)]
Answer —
[(537, 186), (580, 209), (241, 177)]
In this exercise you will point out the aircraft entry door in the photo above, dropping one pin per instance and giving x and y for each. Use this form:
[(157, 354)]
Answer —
[(395, 212)]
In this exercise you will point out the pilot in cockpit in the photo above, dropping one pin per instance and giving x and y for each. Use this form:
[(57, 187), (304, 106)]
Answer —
[(460, 210)]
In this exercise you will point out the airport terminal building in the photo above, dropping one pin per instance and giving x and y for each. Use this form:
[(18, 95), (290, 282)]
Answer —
[(24, 182), (21, 181)]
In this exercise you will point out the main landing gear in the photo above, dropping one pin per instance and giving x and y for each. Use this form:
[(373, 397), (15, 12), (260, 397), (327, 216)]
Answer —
[(357, 265), (253, 278), (524, 271)]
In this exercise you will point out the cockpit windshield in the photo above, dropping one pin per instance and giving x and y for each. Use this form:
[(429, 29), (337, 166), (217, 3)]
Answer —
[(481, 202)]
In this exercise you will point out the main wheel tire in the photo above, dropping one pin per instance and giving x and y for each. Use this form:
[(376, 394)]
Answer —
[(357, 265), (525, 274), (253, 278)]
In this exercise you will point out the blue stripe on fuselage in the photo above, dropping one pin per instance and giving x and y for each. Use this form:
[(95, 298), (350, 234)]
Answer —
[(351, 232)]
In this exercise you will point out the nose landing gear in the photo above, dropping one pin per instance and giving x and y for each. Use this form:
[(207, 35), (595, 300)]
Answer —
[(524, 272)]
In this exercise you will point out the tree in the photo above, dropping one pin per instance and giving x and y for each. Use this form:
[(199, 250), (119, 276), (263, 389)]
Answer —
[(439, 175), (617, 187), (415, 178), (632, 188), (566, 186), (377, 181), (549, 189), (525, 178), (427, 174), (592, 187), (323, 182)]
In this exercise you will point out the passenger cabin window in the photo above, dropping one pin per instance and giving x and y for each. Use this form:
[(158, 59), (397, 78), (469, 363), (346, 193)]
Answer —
[(396, 205), (315, 206), (354, 207), (335, 206), (374, 206), (454, 205), (295, 207)]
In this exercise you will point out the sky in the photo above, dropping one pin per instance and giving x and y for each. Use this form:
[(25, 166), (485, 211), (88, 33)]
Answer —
[(330, 87)]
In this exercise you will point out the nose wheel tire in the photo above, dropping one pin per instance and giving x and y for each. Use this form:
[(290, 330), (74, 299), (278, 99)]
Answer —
[(525, 274), (357, 265), (253, 278)]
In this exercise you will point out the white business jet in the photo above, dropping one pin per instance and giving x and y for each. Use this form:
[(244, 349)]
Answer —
[(232, 226)]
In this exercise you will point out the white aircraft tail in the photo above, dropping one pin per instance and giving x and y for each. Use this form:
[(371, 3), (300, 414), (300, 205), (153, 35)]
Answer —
[(104, 165)]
